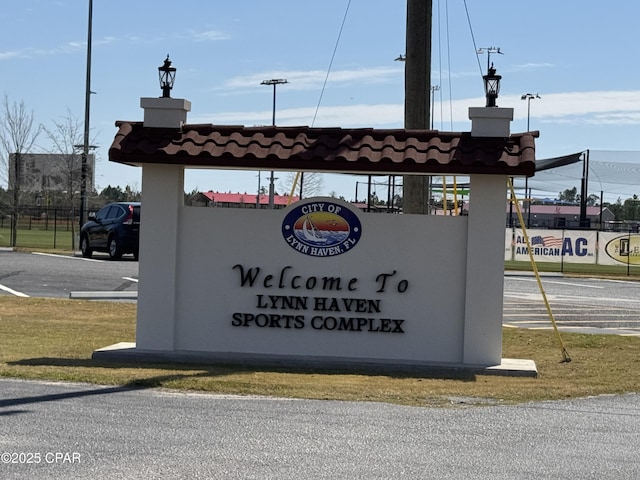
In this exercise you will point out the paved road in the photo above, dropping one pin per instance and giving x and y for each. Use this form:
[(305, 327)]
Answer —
[(578, 304), (41, 275), (112, 432)]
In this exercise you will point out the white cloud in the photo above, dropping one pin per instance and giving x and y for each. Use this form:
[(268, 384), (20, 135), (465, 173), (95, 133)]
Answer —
[(617, 118), (211, 35), (311, 79), (611, 108), (11, 54), (527, 67), (66, 48), (352, 116)]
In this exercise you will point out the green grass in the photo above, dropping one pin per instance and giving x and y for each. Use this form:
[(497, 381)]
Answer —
[(577, 268), (37, 237), (54, 339)]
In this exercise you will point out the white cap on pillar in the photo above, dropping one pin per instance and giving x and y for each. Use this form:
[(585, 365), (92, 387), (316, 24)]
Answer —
[(165, 112), (490, 121)]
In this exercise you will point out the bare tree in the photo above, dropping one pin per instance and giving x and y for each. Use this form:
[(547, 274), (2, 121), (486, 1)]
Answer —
[(66, 136), (17, 137), (310, 183)]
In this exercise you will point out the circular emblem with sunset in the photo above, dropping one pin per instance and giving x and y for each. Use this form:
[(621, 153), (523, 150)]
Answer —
[(321, 228)]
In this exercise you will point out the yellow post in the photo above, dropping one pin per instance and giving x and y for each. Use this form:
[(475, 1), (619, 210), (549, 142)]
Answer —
[(514, 201)]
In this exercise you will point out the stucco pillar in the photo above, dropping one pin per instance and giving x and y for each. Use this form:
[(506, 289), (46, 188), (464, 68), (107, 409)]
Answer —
[(162, 202), (485, 271)]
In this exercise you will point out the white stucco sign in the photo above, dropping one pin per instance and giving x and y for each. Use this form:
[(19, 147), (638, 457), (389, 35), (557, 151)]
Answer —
[(320, 280), (330, 281)]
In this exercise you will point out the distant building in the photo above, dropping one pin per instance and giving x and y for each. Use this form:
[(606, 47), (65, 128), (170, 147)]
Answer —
[(560, 216), (45, 172), (242, 200), (377, 208)]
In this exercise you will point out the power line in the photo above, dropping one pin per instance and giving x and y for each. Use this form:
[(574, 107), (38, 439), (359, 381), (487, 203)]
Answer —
[(473, 39), (439, 63), (449, 67), (333, 56)]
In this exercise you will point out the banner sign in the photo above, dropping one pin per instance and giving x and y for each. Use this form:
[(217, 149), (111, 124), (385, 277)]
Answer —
[(617, 248), (556, 246), (508, 244)]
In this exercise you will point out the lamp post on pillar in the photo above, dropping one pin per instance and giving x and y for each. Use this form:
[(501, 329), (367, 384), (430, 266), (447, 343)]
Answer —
[(165, 111), (491, 86), (167, 77), (275, 82)]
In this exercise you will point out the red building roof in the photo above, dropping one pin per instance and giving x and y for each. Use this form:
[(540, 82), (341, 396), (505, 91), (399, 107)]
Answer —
[(248, 198), (563, 209), (362, 150)]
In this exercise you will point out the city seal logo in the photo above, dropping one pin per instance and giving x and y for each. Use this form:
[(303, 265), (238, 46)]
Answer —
[(320, 227)]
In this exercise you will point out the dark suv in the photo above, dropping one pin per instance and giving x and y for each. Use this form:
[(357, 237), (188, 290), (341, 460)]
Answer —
[(115, 229)]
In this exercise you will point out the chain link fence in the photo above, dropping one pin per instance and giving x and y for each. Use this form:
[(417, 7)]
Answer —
[(41, 227)]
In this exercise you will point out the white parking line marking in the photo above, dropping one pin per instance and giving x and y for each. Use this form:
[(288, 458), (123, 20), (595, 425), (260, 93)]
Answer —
[(558, 283), (67, 256), (130, 279), (13, 292), (583, 322), (570, 314)]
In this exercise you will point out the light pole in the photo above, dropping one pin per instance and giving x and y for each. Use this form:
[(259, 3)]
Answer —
[(275, 82), (434, 89), (601, 194), (584, 221), (528, 97), (259, 190)]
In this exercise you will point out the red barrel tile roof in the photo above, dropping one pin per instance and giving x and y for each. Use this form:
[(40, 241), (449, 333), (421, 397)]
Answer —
[(248, 198), (361, 150)]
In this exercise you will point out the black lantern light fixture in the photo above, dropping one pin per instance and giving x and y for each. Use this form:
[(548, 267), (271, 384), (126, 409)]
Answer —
[(491, 86), (167, 76)]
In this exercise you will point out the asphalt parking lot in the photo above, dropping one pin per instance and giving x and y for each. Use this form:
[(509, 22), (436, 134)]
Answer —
[(584, 305), (74, 431), (57, 276)]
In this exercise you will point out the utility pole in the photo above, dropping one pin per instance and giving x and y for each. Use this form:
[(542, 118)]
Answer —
[(275, 82), (87, 102), (16, 198), (584, 186), (417, 86)]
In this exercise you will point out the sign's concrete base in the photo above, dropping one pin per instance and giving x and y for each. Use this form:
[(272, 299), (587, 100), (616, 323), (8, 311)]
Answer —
[(127, 352)]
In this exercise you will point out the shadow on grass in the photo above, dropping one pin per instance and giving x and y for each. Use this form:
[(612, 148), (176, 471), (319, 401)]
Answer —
[(222, 369), (91, 390), (191, 371)]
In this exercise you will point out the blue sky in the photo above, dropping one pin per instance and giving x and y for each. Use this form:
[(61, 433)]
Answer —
[(578, 56)]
